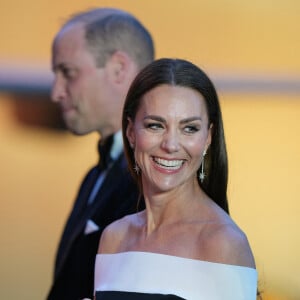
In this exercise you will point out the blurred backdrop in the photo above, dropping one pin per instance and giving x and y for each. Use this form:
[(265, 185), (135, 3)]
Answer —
[(250, 49)]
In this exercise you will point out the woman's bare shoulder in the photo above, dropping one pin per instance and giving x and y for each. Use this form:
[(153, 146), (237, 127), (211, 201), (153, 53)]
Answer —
[(225, 242), (114, 234)]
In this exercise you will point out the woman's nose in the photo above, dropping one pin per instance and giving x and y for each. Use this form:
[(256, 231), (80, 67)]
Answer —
[(170, 142)]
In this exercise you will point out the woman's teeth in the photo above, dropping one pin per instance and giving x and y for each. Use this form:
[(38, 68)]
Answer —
[(169, 164)]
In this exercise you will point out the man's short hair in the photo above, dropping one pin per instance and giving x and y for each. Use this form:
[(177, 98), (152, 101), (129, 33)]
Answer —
[(108, 30)]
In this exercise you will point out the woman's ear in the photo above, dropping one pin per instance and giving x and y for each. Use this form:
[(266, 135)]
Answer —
[(209, 136), (130, 133)]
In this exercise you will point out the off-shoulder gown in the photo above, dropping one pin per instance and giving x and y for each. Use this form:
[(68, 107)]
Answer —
[(152, 276)]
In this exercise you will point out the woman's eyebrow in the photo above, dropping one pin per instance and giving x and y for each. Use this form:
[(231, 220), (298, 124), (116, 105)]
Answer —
[(191, 119), (156, 118)]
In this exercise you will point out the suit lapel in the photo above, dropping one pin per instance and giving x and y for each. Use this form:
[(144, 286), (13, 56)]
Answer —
[(105, 191), (84, 213), (76, 218)]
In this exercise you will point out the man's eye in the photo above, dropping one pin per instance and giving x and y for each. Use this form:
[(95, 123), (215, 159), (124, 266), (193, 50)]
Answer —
[(68, 73)]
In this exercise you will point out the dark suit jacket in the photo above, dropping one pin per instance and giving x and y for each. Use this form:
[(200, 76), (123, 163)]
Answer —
[(74, 268)]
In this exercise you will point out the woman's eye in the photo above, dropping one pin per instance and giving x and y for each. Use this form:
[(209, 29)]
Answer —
[(191, 129), (154, 126)]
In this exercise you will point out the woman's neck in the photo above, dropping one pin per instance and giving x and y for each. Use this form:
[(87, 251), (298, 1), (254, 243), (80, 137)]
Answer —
[(173, 206)]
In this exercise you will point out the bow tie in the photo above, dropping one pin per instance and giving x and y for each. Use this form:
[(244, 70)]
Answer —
[(104, 148)]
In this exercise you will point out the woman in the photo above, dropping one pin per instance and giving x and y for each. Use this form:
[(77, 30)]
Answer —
[(184, 245)]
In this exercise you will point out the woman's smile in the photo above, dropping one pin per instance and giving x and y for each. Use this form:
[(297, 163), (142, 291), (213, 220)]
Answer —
[(168, 164)]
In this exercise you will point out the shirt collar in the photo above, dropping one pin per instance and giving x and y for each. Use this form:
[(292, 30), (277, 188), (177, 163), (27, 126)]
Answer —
[(117, 145)]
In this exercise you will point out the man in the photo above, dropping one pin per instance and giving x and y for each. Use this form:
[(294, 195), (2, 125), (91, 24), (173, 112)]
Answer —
[(95, 57)]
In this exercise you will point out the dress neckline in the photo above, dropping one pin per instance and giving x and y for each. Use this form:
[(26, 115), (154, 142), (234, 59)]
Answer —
[(168, 256)]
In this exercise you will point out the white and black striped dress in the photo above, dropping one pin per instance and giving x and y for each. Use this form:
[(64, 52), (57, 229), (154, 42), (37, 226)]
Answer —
[(152, 276)]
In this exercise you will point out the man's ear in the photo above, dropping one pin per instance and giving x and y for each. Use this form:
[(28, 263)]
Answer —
[(130, 133), (118, 66)]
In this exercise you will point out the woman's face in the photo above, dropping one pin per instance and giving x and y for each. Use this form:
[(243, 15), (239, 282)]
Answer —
[(169, 135)]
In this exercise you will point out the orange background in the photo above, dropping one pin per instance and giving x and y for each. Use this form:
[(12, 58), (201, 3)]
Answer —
[(41, 168)]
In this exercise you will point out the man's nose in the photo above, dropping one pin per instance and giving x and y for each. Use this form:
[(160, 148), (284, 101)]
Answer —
[(58, 91)]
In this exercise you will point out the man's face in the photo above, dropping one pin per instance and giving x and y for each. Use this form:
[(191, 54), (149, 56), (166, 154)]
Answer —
[(82, 90)]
